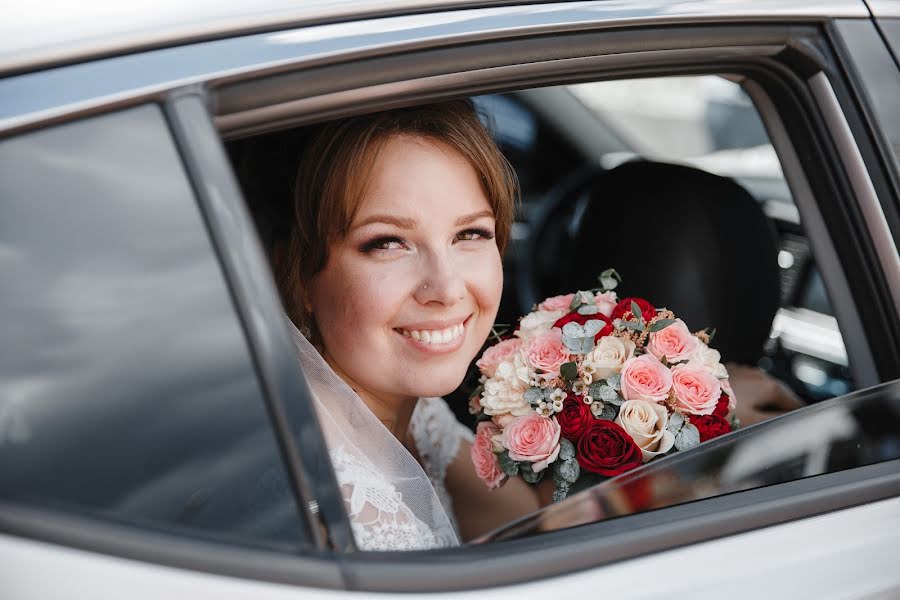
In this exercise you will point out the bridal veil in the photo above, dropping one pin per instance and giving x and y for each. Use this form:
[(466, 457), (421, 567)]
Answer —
[(390, 501)]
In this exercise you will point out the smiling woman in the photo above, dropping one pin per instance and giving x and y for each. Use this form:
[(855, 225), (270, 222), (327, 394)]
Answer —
[(392, 270)]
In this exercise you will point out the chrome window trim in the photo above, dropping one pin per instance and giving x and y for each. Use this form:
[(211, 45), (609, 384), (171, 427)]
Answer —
[(32, 98), (869, 205), (156, 25), (846, 311), (389, 95), (884, 8)]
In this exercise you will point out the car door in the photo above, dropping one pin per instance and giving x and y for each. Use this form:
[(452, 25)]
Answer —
[(205, 92)]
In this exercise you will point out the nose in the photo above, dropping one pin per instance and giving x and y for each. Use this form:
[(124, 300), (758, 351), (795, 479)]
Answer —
[(441, 281)]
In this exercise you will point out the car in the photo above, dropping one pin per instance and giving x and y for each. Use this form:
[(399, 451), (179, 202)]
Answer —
[(156, 434)]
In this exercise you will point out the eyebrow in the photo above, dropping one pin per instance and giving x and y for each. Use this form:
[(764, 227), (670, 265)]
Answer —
[(407, 223)]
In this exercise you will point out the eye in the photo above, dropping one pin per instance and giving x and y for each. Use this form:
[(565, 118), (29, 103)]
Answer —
[(475, 234), (383, 243)]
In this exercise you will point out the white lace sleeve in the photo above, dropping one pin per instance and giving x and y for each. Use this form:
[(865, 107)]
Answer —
[(378, 516), (438, 436)]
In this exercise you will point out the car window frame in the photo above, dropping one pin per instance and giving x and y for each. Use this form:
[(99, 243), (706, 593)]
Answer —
[(428, 571), (370, 570)]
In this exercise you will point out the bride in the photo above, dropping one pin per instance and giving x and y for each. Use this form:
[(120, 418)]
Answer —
[(392, 277)]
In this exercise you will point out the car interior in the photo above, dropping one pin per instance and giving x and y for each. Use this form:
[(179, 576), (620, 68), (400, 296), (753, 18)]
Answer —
[(602, 166)]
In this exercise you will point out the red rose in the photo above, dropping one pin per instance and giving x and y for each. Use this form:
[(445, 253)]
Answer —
[(574, 317), (624, 306), (721, 409), (710, 426), (574, 418), (606, 449)]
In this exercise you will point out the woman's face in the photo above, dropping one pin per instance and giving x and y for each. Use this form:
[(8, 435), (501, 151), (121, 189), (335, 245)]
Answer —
[(408, 297)]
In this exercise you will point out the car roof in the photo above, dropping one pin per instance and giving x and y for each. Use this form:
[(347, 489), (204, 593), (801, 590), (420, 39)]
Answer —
[(42, 33)]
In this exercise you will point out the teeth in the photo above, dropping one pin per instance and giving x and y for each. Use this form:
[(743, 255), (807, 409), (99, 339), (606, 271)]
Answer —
[(438, 336)]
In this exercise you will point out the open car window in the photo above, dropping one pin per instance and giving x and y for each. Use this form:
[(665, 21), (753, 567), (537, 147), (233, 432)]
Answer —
[(843, 433)]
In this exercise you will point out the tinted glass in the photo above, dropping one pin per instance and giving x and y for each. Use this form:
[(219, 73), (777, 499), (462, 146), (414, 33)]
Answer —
[(126, 387), (842, 433)]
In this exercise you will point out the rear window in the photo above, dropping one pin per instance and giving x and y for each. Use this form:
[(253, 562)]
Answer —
[(128, 391)]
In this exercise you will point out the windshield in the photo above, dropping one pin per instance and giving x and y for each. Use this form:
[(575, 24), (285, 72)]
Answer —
[(843, 433)]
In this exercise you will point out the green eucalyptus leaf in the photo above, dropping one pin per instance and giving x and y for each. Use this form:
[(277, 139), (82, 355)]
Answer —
[(561, 491), (636, 311), (609, 412), (569, 371), (676, 422), (687, 438), (615, 381), (660, 325), (534, 395), (588, 309), (633, 325), (566, 449), (529, 475), (573, 329), (568, 470), (507, 465), (593, 327)]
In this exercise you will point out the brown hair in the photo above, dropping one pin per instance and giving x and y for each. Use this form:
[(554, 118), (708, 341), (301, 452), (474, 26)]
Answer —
[(336, 166)]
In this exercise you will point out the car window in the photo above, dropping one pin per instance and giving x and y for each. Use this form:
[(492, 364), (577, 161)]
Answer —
[(707, 123), (843, 433), (128, 392)]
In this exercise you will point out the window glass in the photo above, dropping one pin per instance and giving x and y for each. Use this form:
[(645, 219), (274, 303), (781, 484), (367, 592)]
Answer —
[(842, 433), (707, 123), (128, 391)]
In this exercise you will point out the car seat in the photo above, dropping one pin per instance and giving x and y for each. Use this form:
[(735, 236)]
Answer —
[(696, 243)]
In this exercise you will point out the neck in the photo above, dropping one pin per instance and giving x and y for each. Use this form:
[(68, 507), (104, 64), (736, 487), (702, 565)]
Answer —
[(394, 411)]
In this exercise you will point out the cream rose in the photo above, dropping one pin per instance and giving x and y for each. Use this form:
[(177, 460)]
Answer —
[(709, 359), (608, 356), (545, 353), (645, 378), (483, 456), (646, 423), (501, 397), (533, 438), (676, 342), (697, 390), (557, 303), (537, 322), (496, 354)]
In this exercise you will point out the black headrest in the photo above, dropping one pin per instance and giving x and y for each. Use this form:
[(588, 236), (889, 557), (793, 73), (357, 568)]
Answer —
[(688, 240)]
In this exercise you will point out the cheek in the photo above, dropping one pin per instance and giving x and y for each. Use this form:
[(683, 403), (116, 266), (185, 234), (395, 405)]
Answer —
[(485, 275), (351, 305)]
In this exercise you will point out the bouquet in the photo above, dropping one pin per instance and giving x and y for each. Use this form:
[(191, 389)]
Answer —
[(590, 386)]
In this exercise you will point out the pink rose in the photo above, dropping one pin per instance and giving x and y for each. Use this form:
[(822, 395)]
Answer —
[(557, 303), (496, 354), (675, 343), (726, 387), (606, 302), (546, 353), (533, 438), (645, 378), (697, 390), (483, 456)]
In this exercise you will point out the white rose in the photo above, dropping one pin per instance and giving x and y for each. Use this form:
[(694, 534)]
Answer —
[(499, 397), (608, 356), (537, 322), (710, 360), (646, 423)]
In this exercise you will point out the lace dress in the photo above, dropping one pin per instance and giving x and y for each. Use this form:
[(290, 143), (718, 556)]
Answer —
[(379, 516)]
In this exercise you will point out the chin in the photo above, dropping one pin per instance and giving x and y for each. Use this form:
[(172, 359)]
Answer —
[(440, 385)]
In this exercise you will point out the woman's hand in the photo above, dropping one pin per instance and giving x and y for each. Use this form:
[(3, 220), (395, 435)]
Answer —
[(759, 396)]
